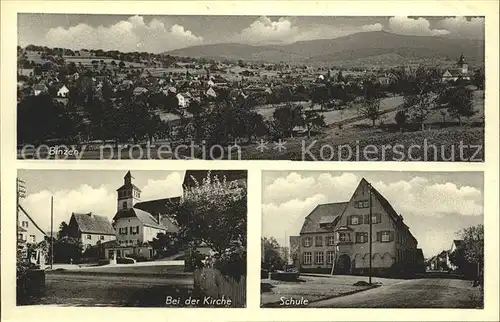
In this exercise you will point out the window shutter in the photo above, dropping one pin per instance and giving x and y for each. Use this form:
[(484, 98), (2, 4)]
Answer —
[(379, 236), (136, 229), (303, 241), (379, 218), (391, 236)]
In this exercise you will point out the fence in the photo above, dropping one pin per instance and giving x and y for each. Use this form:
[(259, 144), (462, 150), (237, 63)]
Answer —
[(210, 282)]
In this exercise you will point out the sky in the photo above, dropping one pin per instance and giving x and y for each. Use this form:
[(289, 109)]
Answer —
[(163, 33), (435, 205), (89, 191)]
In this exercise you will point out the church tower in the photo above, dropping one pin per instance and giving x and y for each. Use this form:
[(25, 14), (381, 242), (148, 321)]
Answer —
[(128, 194), (463, 65)]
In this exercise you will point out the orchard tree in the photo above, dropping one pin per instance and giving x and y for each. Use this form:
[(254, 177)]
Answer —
[(288, 117), (313, 121), (460, 103), (418, 87)]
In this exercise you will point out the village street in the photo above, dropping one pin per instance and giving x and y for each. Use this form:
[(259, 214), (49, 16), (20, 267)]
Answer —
[(121, 285), (416, 293)]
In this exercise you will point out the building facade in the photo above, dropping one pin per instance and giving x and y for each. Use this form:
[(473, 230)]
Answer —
[(137, 223), (460, 72), (90, 229), (335, 237)]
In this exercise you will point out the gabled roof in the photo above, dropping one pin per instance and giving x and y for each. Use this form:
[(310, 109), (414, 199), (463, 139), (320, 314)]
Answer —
[(93, 224), (158, 205), (144, 217), (31, 219), (325, 213)]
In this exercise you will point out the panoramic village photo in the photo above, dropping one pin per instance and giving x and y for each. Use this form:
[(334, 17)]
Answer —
[(315, 88), (132, 238), (372, 239)]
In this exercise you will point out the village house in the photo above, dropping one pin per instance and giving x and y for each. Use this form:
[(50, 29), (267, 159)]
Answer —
[(28, 232), (460, 72), (63, 91), (90, 229), (40, 89), (338, 233)]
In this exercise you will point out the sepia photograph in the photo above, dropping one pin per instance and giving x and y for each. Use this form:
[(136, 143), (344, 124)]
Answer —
[(220, 87), (132, 238), (372, 239)]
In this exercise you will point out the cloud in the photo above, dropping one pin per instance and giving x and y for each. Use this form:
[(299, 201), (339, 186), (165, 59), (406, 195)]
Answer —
[(282, 31), (414, 27), (99, 200), (133, 34), (463, 27), (171, 186), (287, 217), (299, 186)]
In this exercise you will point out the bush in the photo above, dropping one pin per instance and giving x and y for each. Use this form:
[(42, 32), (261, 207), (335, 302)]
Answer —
[(125, 260), (139, 258)]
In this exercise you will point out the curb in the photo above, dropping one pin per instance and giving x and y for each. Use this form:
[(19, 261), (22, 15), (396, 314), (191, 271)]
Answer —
[(276, 304), (82, 272)]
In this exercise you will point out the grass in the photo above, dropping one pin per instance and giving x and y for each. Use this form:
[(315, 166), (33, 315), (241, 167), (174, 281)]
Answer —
[(342, 145), (312, 288)]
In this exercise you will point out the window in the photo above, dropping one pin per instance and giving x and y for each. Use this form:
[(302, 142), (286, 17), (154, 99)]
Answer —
[(344, 237), (361, 237), (101, 237), (318, 241), (24, 224), (354, 220), (32, 239), (330, 240), (330, 256), (362, 204), (89, 237), (307, 241), (124, 205), (307, 258), (319, 258), (376, 218), (385, 236)]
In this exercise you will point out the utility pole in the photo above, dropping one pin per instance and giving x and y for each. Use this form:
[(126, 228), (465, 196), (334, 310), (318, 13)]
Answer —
[(20, 194), (51, 232), (370, 237)]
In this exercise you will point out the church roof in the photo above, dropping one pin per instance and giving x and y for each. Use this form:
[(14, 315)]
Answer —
[(93, 224), (126, 186), (159, 205), (144, 217)]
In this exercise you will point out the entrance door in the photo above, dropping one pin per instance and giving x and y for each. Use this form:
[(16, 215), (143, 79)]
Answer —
[(343, 265)]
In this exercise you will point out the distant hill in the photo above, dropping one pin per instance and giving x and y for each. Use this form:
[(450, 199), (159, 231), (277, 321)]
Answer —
[(352, 48)]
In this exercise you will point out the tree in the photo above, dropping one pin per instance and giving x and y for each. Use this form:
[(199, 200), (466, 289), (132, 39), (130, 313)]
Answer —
[(64, 230), (478, 78), (272, 256), (313, 120), (287, 117), (370, 109), (214, 212), (121, 64), (473, 249), (460, 103), (400, 119), (418, 87)]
